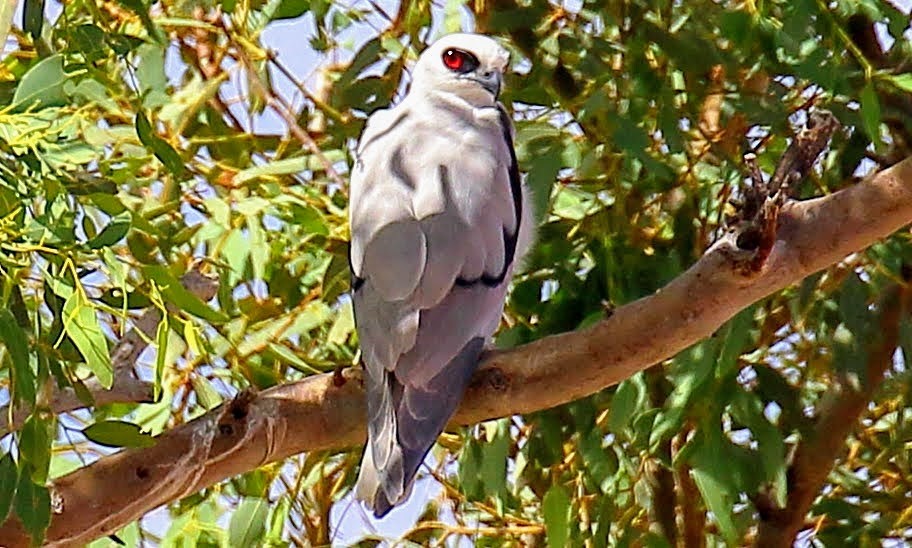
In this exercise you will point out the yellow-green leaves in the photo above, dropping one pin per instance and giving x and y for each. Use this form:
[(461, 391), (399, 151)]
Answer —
[(556, 511), (174, 292), (81, 324), (42, 86), (158, 146), (248, 523), (871, 114), (117, 433)]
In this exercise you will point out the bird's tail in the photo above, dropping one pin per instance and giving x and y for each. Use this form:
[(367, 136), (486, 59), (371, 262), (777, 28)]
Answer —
[(381, 481), (403, 423)]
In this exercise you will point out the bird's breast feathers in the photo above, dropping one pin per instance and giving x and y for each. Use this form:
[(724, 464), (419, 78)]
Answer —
[(446, 168)]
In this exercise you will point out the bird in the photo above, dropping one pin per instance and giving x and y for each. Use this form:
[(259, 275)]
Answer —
[(440, 217)]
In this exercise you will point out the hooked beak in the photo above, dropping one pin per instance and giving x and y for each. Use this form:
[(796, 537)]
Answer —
[(491, 81)]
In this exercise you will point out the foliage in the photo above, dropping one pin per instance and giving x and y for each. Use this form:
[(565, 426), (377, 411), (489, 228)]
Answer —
[(131, 152)]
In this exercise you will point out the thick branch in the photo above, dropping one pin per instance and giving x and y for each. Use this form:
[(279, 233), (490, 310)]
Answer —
[(838, 415), (327, 411)]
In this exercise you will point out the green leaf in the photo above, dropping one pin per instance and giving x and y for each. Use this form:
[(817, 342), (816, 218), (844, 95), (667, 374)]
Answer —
[(17, 347), (290, 9), (116, 433), (159, 147), (336, 278), (161, 347), (737, 334), (309, 219), (343, 326), (902, 81), (35, 446), (277, 520), (10, 204), (870, 114), (33, 506), (206, 394), (122, 44), (905, 340), (850, 338), (177, 294), (90, 40), (42, 85), (631, 137), (601, 462), (9, 476), (556, 513), (81, 324), (286, 166), (285, 354), (110, 204), (853, 304), (692, 373), (714, 478), (248, 523), (748, 410), (624, 404), (494, 458), (469, 465), (113, 232)]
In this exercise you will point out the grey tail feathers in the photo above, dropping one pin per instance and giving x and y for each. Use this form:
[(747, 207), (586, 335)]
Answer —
[(404, 421)]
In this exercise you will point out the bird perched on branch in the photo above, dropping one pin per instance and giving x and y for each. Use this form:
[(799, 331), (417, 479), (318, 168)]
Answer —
[(439, 218)]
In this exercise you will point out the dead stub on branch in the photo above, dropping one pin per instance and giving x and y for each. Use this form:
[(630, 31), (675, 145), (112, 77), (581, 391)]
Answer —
[(752, 228)]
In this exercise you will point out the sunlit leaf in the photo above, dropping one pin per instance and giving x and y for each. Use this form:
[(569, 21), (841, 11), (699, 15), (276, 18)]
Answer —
[(556, 512), (871, 114), (248, 523), (115, 433), (81, 324), (112, 233), (159, 147), (176, 293), (42, 86)]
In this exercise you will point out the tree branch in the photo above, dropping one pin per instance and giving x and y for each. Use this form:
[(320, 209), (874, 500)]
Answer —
[(838, 414), (326, 412)]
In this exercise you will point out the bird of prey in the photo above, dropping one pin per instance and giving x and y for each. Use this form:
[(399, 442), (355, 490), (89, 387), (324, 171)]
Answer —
[(439, 218)]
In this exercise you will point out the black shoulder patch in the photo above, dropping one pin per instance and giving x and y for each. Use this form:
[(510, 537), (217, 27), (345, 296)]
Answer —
[(356, 283)]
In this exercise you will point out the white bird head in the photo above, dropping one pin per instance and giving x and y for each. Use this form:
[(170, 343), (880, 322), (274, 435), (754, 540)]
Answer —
[(470, 66)]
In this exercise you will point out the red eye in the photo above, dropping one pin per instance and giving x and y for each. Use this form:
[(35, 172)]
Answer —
[(459, 61)]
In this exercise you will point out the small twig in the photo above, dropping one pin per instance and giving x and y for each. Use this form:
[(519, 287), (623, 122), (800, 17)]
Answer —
[(753, 228), (284, 110), (803, 151), (478, 530), (321, 105), (660, 478)]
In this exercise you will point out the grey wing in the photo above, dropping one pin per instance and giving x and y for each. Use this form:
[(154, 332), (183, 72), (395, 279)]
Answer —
[(431, 259)]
